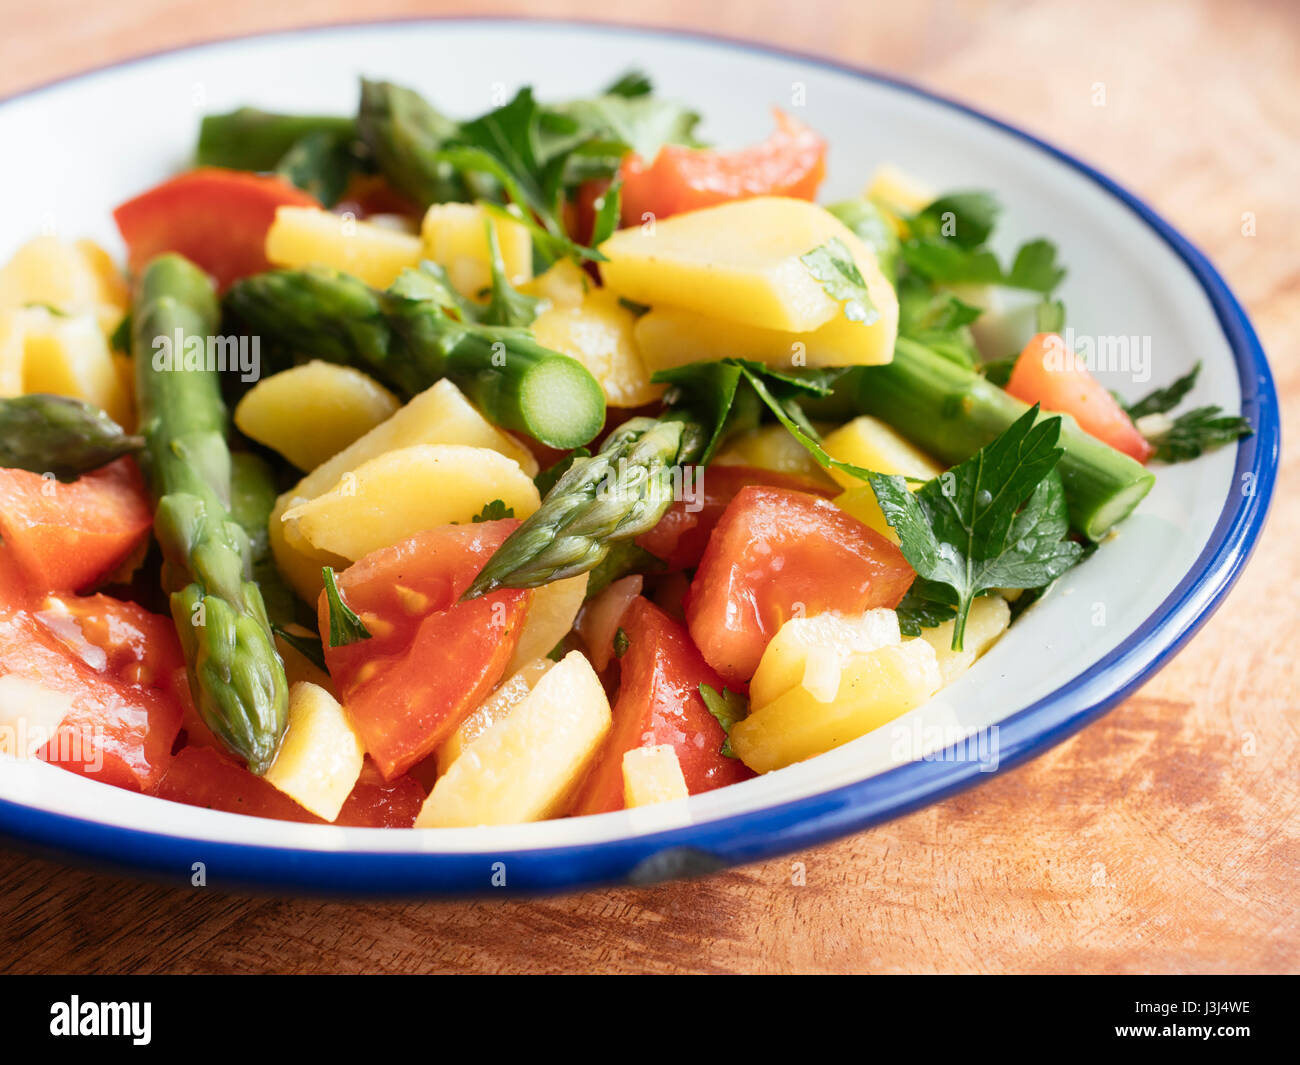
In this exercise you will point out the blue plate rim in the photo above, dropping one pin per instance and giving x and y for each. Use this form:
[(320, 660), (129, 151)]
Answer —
[(797, 824)]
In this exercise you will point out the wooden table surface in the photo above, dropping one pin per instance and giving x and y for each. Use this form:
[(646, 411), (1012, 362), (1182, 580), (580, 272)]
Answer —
[(1163, 838)]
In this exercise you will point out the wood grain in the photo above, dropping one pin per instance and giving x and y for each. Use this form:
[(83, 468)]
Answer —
[(1164, 838)]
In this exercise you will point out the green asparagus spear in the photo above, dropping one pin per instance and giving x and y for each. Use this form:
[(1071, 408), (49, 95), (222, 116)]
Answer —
[(410, 343), (951, 412), (249, 139), (404, 134), (58, 435), (616, 494), (252, 498), (236, 676)]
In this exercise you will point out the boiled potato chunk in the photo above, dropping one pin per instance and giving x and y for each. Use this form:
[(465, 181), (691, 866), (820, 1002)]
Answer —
[(899, 194), (406, 491), (861, 503), (550, 616), (320, 756), (564, 284), (670, 336), (988, 619), (496, 707), (313, 411), (813, 651), (772, 447), (309, 236), (874, 688), (526, 767), (455, 236), (13, 335), (77, 278), (599, 333), (438, 415), (870, 443), (651, 775), (739, 262), (69, 355)]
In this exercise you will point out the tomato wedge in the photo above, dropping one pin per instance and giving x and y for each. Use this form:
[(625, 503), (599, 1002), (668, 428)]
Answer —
[(1049, 374), (216, 218), (65, 537), (778, 554), (430, 659), (683, 532), (123, 674), (203, 776), (659, 702), (791, 162)]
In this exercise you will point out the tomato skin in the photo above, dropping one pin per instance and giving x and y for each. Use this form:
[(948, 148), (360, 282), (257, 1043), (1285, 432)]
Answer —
[(1049, 374), (778, 553), (791, 162), (216, 218), (659, 702), (66, 537), (584, 208), (124, 670), (203, 776), (431, 659), (682, 534)]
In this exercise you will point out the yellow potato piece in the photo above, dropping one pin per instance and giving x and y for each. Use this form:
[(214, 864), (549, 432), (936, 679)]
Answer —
[(77, 278), (312, 412), (13, 335), (526, 767), (563, 284), (813, 651), (320, 756), (297, 667), (899, 194), (862, 504), (551, 615), (455, 237), (988, 619), (739, 262), (670, 336), (404, 492), (438, 415), (599, 333), (652, 775), (309, 236), (69, 355), (870, 443), (496, 707), (875, 688), (771, 447)]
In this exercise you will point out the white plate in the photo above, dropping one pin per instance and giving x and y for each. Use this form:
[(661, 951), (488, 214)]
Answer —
[(92, 141)]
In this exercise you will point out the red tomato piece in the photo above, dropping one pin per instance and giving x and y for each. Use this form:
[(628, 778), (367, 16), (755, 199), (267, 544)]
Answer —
[(123, 670), (791, 162), (778, 554), (66, 537), (431, 659), (659, 702), (1049, 374), (584, 208), (216, 218), (682, 534), (203, 776)]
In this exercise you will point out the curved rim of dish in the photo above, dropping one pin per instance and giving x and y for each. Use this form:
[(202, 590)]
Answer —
[(768, 831)]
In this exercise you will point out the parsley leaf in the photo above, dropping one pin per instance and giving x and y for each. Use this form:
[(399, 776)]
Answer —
[(345, 626), (866, 221), (307, 646), (1163, 400), (997, 520), (608, 208), (321, 163), (963, 218), (916, 612), (1035, 267), (727, 707), (507, 305), (630, 83), (621, 642), (1196, 432), (494, 511), (832, 264)]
